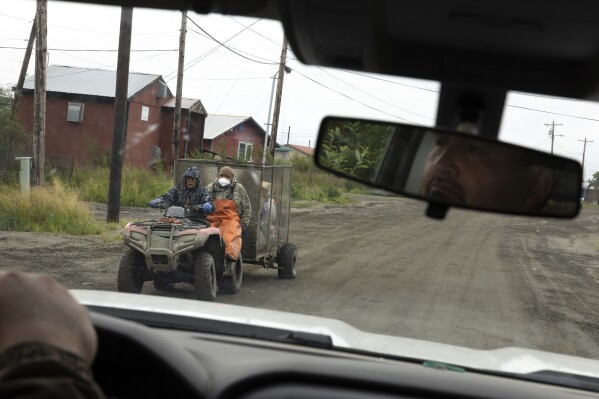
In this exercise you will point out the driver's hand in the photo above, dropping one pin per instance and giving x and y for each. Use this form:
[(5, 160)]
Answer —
[(36, 308)]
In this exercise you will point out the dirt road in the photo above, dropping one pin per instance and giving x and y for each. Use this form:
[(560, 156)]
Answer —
[(477, 280)]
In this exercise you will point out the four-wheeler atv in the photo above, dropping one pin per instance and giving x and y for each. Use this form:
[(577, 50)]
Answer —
[(176, 249)]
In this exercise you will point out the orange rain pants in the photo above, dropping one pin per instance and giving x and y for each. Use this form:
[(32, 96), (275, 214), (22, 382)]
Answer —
[(226, 218)]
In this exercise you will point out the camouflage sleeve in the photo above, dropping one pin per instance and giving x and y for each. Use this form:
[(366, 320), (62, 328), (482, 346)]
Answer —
[(245, 207), (170, 198), (206, 197), (208, 189)]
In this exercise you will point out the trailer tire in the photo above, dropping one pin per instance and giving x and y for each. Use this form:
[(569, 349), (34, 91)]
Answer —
[(286, 259)]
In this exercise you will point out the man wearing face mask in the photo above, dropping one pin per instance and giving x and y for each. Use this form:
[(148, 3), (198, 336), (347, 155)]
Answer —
[(232, 211)]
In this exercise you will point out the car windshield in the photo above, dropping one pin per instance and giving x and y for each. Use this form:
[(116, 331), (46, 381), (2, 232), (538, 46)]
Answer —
[(312, 243)]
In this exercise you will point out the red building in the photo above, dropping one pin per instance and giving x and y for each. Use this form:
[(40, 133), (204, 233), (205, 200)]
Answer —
[(234, 136), (80, 112)]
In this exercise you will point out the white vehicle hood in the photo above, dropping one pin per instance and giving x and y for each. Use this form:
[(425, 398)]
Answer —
[(343, 335)]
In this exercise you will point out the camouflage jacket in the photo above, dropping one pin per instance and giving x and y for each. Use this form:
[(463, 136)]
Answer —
[(237, 193), (187, 197)]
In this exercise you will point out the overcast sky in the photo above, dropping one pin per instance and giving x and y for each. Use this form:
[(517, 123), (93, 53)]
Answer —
[(227, 83)]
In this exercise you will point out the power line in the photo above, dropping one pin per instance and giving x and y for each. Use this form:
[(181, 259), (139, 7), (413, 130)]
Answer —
[(507, 105), (553, 113), (233, 51), (249, 78), (79, 58), (353, 99), (258, 33), (22, 19), (389, 81), (195, 61), (369, 95)]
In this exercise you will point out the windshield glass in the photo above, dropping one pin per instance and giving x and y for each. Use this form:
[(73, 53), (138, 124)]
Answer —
[(343, 250)]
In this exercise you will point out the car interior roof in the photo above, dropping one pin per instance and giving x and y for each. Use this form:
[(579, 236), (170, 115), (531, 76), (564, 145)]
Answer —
[(508, 45)]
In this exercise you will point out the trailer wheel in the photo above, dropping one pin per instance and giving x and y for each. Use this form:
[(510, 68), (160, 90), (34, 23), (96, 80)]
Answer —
[(286, 259)]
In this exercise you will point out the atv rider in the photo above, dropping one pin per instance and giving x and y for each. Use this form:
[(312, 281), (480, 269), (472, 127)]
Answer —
[(232, 212), (189, 195)]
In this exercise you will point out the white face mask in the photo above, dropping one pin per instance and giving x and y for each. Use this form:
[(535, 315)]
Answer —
[(223, 181)]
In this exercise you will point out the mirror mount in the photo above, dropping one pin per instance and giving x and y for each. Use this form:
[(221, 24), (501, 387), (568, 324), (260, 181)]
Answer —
[(482, 107), (437, 211)]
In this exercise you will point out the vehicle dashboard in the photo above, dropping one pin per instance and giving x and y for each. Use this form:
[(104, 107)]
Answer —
[(140, 361)]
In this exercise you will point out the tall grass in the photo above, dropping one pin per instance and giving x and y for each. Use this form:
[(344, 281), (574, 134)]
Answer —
[(137, 188), (312, 183), (51, 208)]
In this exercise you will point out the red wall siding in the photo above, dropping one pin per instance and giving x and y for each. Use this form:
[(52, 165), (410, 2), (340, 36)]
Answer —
[(91, 137), (142, 135), (196, 128), (229, 141)]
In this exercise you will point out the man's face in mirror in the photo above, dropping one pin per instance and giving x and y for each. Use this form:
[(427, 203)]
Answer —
[(475, 173)]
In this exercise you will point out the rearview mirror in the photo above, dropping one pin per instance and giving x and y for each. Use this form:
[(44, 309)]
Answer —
[(450, 168)]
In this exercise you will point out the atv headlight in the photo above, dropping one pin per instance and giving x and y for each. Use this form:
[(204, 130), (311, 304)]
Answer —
[(137, 236), (187, 238)]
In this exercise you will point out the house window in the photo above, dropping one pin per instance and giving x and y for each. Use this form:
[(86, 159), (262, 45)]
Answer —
[(244, 151), (75, 112), (145, 113)]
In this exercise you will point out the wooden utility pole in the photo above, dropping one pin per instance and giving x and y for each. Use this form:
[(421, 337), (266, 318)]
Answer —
[(39, 96), (552, 132), (119, 129), (275, 117), (177, 117), (584, 150), (25, 65)]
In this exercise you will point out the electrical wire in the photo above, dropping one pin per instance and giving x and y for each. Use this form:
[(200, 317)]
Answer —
[(553, 113), (369, 95), (223, 45), (196, 60), (279, 45), (389, 81), (357, 101)]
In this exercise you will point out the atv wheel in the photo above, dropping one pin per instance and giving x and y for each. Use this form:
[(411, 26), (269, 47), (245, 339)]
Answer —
[(286, 258), (130, 277), (232, 284), (204, 277)]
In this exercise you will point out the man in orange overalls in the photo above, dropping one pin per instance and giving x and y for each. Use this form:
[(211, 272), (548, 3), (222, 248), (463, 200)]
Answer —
[(232, 211)]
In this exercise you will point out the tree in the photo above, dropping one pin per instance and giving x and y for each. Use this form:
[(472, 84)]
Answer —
[(12, 135), (594, 181)]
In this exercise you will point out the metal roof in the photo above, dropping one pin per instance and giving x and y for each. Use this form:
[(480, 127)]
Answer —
[(219, 124), (192, 104), (88, 81)]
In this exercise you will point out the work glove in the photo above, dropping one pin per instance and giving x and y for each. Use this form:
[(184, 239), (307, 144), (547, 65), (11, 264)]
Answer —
[(155, 203), (207, 208)]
